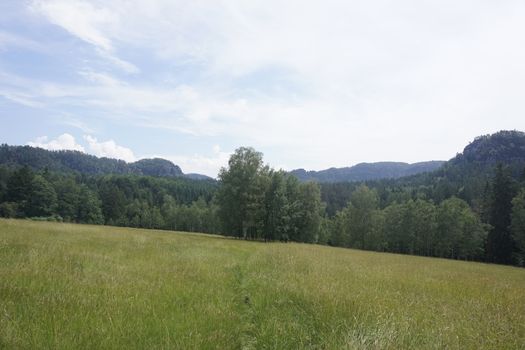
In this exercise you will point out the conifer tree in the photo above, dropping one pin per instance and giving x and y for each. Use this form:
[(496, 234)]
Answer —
[(500, 244), (518, 226)]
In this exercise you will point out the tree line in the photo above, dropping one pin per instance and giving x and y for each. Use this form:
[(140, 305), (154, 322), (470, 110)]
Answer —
[(253, 201), (257, 202), (121, 200)]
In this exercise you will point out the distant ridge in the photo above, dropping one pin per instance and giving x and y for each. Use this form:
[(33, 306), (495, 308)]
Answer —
[(367, 171), (466, 175), (75, 161), (476, 161), (506, 146)]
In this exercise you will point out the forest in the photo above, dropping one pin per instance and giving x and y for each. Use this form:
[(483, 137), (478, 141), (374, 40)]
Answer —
[(471, 208)]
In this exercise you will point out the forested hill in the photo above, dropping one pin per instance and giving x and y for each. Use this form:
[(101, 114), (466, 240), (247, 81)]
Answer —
[(466, 176), (477, 160), (503, 146), (74, 161), (367, 171)]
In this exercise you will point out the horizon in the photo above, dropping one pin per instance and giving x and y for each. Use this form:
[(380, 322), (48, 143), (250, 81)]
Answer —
[(312, 86), (83, 151)]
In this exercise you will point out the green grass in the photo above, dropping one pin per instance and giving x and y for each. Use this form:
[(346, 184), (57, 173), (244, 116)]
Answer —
[(66, 286)]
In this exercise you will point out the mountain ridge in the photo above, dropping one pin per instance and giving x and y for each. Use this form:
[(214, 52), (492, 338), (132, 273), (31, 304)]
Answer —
[(76, 161), (506, 146), (367, 171)]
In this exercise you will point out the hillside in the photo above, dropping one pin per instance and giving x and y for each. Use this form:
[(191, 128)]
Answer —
[(113, 287), (466, 176), (367, 171), (469, 172), (478, 158), (507, 146), (75, 161)]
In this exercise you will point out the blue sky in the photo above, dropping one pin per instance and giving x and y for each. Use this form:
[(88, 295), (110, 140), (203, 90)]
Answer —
[(310, 84)]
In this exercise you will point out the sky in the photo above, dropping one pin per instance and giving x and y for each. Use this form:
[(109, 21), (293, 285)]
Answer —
[(310, 84)]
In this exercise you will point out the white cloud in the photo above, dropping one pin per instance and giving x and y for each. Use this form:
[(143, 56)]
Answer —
[(201, 164), (102, 79), (86, 21), (109, 149), (80, 18), (126, 66), (66, 141), (75, 122), (62, 142)]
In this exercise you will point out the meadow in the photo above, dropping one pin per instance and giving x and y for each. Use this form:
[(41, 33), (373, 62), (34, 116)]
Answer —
[(66, 286)]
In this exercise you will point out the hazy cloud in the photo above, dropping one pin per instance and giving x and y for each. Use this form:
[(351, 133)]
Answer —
[(8, 39), (109, 149), (208, 164), (86, 21), (80, 18)]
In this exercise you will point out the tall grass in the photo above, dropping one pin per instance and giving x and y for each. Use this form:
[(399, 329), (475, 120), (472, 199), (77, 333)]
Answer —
[(66, 286)]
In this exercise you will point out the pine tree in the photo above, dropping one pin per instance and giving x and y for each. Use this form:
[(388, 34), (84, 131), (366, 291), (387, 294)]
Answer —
[(43, 199), (518, 226), (500, 244), (19, 189), (89, 207)]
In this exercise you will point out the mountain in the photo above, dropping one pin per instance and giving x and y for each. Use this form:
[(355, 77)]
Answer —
[(157, 167), (198, 176), (466, 176), (75, 161), (474, 163), (470, 170), (367, 171), (477, 160), (502, 147)]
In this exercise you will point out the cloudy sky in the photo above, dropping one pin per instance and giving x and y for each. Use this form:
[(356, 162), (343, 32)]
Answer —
[(311, 84)]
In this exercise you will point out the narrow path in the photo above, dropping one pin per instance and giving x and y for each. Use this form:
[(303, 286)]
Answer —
[(247, 328)]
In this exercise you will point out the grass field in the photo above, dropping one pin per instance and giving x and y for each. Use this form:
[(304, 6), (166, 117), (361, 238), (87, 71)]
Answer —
[(68, 286)]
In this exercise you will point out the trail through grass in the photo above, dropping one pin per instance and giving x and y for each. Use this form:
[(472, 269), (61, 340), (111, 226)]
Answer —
[(66, 286)]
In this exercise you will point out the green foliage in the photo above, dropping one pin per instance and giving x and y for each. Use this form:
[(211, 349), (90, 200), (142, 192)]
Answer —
[(309, 213), (19, 188), (241, 193), (8, 209), (89, 209), (504, 146), (126, 200), (518, 226), (278, 220), (113, 202), (500, 245), (362, 214), (464, 176), (43, 198), (157, 167), (366, 171), (74, 161), (450, 230), (68, 198), (461, 233), (256, 202)]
